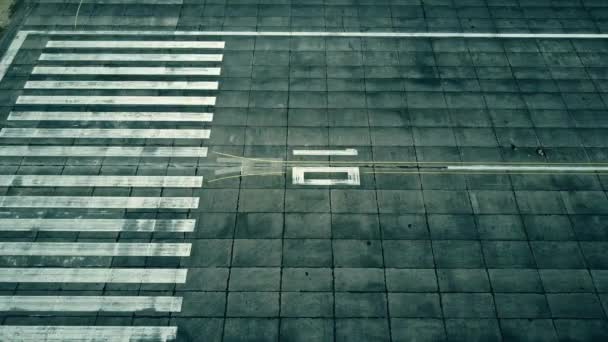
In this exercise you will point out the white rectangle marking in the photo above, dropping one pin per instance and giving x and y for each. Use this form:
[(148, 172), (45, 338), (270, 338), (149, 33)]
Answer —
[(134, 44), (55, 333), (102, 151), (299, 176), (90, 303), (110, 202), (128, 57), (526, 168), (97, 225), (101, 70), (93, 275), (145, 85), (345, 152), (94, 249), (117, 100), (107, 133), (102, 181), (111, 116)]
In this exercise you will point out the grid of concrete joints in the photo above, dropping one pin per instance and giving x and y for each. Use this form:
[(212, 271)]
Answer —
[(327, 15), (92, 211), (463, 256)]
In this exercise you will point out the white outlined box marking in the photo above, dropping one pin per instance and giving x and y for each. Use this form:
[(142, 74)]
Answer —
[(352, 176)]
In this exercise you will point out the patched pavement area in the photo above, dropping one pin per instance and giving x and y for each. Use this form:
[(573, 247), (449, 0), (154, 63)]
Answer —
[(242, 171)]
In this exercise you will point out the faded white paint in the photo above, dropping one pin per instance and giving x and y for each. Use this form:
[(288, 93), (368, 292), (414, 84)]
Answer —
[(103, 151), (109, 202), (95, 249), (93, 275), (107, 133), (97, 225), (344, 152), (111, 116), (145, 85), (55, 333), (90, 303), (117, 100), (102, 181)]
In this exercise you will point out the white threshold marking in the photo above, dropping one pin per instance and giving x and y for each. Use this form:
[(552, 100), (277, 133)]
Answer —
[(117, 100), (525, 168), (299, 176), (97, 225), (133, 44), (94, 249), (90, 303), (11, 52), (20, 37), (111, 116), (103, 151), (344, 152), (129, 57), (100, 70), (93, 275), (109, 133), (145, 85), (55, 333), (110, 202), (102, 181)]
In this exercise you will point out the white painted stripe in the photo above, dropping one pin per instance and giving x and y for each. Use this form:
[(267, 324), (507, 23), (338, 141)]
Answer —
[(102, 181), (93, 275), (97, 225), (109, 202), (102, 151), (55, 333), (108, 133), (299, 176), (328, 34), (90, 303), (155, 85), (133, 44), (118, 100), (95, 249), (345, 152), (111, 116), (11, 52), (526, 168), (128, 57), (101, 70)]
